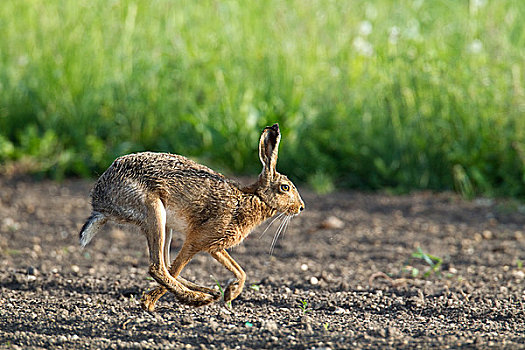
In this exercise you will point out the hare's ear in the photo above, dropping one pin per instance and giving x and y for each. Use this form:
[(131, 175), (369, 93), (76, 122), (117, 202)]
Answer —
[(268, 148)]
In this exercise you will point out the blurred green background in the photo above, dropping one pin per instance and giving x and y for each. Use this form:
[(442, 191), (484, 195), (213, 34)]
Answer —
[(369, 94)]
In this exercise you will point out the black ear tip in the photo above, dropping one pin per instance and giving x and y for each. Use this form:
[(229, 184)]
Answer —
[(274, 128)]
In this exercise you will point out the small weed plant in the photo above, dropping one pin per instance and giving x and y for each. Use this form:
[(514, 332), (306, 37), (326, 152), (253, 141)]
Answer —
[(229, 303), (433, 264), (304, 306)]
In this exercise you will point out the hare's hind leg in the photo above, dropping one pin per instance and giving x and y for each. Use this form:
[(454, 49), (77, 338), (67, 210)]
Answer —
[(233, 289), (154, 229), (149, 300)]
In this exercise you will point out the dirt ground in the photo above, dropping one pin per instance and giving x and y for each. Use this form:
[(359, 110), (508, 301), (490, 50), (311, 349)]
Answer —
[(346, 282)]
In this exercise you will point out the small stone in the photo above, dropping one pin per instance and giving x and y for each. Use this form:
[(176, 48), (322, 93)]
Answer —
[(62, 339), (75, 268), (339, 310), (487, 234), (186, 320), (214, 325), (332, 223), (519, 274), (314, 280), (270, 325), (304, 267), (225, 311)]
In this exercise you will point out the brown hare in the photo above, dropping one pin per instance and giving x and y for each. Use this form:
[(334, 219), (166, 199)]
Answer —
[(160, 192)]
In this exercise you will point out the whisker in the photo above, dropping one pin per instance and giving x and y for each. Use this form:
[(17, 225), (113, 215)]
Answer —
[(277, 233), (282, 227), (271, 223)]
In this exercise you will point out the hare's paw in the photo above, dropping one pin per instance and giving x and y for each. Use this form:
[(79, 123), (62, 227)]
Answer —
[(197, 299), (233, 290)]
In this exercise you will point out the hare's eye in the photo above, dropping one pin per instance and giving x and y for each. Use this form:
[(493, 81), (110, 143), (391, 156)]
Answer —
[(285, 188)]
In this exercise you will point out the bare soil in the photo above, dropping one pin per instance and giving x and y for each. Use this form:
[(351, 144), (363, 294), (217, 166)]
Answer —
[(329, 284)]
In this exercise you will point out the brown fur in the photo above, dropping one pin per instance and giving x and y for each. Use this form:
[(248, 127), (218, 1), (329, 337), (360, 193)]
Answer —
[(161, 192)]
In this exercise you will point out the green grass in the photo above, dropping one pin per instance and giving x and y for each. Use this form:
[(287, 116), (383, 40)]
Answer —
[(396, 94), (228, 303)]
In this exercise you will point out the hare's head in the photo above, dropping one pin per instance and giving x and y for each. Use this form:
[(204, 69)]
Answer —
[(275, 189)]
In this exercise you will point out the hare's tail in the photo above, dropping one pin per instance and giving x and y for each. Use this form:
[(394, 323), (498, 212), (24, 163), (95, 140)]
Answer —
[(91, 227)]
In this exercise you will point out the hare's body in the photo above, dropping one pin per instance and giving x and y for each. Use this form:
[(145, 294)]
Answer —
[(196, 199), (161, 193)]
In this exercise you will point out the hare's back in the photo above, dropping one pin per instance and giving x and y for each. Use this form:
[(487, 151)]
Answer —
[(158, 169), (161, 173)]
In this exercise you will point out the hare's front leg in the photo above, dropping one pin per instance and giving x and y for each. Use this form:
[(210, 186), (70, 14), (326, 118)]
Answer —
[(233, 289), (150, 299)]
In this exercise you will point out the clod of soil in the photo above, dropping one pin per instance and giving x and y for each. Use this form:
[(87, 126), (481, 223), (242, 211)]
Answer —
[(422, 270)]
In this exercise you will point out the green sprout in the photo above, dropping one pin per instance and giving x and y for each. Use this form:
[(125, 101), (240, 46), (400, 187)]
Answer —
[(228, 303), (433, 261), (304, 306)]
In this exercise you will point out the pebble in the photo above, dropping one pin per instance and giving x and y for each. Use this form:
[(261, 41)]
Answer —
[(62, 339), (214, 324), (332, 223), (339, 310), (270, 325), (519, 274), (314, 280), (487, 234)]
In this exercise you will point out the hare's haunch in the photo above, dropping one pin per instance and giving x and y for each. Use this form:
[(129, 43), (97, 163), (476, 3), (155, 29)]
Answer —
[(160, 192)]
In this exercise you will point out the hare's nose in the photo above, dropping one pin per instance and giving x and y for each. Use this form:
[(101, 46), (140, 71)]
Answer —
[(301, 208)]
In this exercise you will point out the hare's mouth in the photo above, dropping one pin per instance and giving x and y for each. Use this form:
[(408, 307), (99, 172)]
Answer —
[(297, 211)]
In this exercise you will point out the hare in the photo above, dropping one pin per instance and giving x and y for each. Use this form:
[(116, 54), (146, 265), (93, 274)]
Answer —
[(161, 192)]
